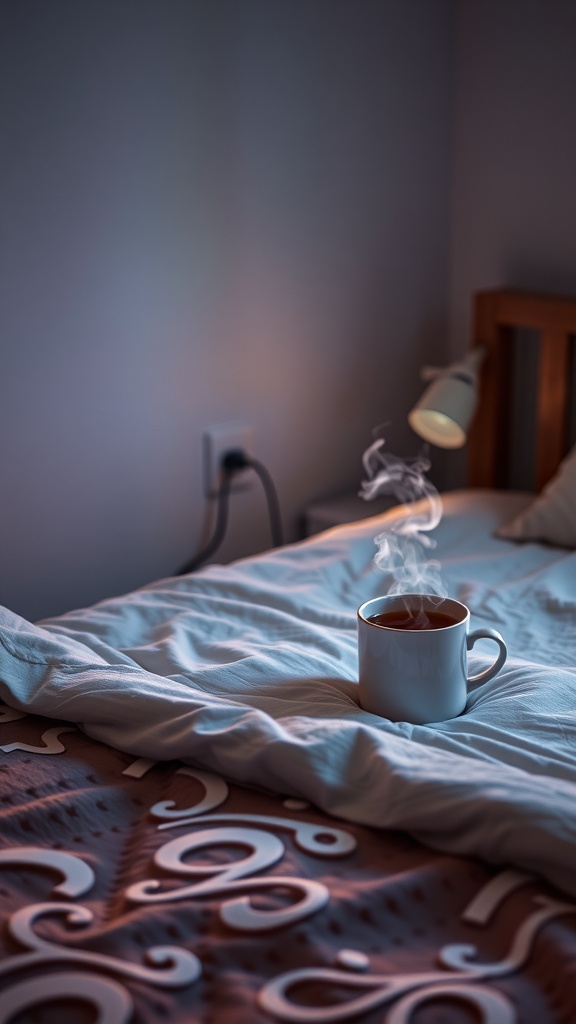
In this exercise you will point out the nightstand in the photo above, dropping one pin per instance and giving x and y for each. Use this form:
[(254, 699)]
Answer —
[(344, 508)]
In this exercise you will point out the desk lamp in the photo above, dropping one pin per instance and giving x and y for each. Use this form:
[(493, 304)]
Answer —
[(444, 412)]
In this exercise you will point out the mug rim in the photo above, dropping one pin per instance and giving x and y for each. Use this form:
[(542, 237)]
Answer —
[(362, 617)]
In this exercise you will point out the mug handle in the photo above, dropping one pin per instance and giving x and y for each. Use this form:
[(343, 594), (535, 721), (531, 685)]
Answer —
[(489, 634)]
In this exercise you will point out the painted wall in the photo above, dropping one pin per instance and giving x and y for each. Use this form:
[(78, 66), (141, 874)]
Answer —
[(514, 185), (212, 210)]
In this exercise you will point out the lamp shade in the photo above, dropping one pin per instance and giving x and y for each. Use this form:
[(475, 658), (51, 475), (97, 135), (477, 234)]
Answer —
[(444, 412)]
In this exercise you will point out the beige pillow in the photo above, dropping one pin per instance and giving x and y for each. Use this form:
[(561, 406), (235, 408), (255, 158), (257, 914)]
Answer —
[(552, 516)]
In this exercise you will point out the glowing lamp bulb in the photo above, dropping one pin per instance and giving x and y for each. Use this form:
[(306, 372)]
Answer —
[(437, 428)]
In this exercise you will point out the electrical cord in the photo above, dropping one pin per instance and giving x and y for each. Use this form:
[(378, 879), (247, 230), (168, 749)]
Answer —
[(274, 514), (233, 462)]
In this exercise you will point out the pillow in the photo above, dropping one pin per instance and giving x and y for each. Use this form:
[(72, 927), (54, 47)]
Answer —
[(552, 516)]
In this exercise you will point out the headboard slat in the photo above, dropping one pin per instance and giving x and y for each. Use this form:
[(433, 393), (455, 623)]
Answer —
[(553, 403), (498, 314), (489, 437)]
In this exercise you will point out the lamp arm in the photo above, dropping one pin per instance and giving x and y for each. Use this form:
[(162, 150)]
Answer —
[(468, 366)]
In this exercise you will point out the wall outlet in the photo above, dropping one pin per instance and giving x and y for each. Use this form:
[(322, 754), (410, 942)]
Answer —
[(218, 440)]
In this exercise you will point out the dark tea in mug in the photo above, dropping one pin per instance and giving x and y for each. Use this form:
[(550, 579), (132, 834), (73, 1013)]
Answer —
[(413, 618)]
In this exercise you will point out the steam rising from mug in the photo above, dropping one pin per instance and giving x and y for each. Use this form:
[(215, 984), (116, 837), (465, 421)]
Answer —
[(401, 547)]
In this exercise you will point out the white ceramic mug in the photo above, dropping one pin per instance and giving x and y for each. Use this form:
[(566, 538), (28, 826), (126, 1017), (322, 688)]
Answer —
[(418, 675)]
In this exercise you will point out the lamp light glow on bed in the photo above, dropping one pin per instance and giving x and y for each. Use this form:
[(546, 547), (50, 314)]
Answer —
[(444, 412)]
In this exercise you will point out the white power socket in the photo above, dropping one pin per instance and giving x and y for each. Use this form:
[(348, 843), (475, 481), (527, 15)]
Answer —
[(218, 440)]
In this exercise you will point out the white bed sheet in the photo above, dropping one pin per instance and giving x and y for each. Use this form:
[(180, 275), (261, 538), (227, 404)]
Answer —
[(250, 671)]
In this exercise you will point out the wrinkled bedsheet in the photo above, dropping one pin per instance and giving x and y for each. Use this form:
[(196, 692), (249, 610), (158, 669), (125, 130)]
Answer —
[(249, 671)]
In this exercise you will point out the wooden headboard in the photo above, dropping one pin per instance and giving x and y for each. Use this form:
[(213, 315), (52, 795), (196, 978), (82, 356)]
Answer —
[(498, 315)]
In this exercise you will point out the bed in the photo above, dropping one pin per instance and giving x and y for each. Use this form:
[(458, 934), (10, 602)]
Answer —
[(199, 823)]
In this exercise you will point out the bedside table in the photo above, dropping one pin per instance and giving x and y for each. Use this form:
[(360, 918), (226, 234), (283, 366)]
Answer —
[(344, 508)]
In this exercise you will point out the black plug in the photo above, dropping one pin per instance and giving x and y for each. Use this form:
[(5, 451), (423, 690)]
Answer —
[(234, 460)]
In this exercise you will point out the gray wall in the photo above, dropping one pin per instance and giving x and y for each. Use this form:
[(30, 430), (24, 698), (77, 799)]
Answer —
[(210, 210), (514, 185)]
